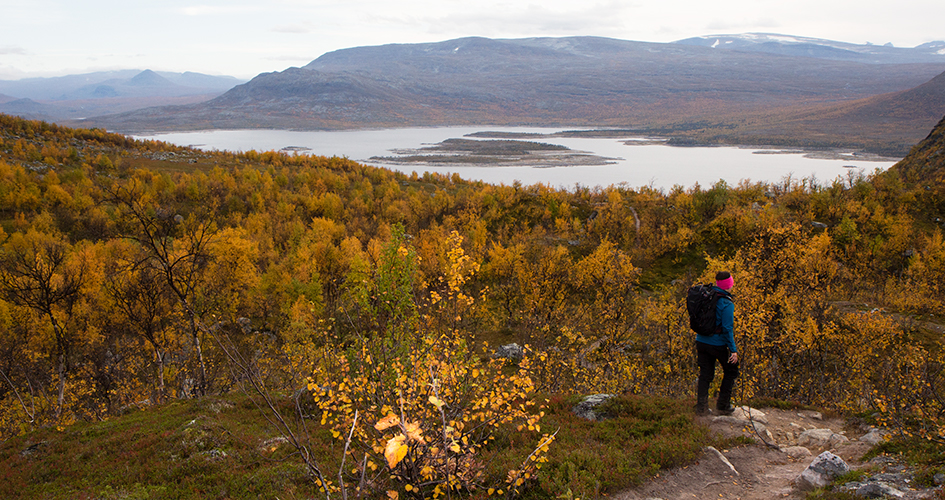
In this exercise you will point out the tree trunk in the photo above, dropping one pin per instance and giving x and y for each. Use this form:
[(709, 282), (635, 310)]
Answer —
[(160, 355), (62, 386), (202, 381)]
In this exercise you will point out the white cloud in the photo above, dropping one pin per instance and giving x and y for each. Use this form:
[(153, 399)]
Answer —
[(242, 37), (292, 59), (215, 10), (12, 50), (300, 28), (511, 20), (731, 25)]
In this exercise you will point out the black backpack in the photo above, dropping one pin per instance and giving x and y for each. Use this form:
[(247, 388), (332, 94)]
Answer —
[(700, 302)]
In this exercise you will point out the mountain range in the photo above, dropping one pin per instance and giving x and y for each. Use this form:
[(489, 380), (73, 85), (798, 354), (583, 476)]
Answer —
[(106, 92), (725, 87), (822, 49)]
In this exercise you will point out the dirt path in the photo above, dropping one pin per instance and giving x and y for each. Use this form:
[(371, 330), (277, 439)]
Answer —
[(757, 472)]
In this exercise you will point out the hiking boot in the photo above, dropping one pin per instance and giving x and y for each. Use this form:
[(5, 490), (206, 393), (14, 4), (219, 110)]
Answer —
[(726, 410), (701, 410)]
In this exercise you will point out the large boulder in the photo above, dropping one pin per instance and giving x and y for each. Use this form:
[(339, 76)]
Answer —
[(821, 472)]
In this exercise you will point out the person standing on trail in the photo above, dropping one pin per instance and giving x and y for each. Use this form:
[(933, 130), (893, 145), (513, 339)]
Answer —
[(719, 347)]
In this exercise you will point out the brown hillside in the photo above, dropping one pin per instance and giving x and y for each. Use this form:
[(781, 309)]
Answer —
[(925, 102), (901, 115), (889, 123), (926, 161)]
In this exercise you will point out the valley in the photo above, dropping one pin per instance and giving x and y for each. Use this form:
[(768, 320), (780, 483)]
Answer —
[(877, 100), (182, 320)]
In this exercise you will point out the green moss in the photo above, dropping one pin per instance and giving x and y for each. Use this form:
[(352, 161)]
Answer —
[(207, 448)]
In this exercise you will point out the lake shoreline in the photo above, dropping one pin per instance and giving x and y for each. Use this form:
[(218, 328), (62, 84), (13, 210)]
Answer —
[(553, 156), (632, 137)]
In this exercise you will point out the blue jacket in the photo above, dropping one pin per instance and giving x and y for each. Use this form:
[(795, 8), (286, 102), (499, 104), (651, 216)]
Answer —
[(724, 318)]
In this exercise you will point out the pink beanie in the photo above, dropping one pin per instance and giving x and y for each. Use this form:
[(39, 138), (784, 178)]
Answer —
[(724, 280)]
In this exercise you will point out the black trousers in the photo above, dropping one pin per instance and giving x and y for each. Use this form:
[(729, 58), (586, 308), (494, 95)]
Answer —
[(707, 355)]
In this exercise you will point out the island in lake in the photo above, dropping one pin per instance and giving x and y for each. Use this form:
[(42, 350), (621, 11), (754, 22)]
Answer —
[(495, 153)]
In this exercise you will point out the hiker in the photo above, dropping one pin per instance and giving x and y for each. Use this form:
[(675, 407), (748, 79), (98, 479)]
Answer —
[(719, 347)]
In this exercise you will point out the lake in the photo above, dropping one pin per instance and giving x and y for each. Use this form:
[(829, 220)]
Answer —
[(656, 165)]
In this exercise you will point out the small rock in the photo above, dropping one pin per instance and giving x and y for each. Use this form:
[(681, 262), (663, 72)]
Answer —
[(215, 454), (878, 490), (796, 452), (749, 413), (824, 469), (873, 437), (245, 324), (882, 460), (759, 428), (939, 479), (32, 449), (886, 477), (271, 445), (510, 351), (820, 438), (587, 408), (718, 454)]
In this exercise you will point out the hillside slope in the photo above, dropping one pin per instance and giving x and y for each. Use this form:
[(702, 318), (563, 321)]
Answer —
[(889, 123), (926, 161)]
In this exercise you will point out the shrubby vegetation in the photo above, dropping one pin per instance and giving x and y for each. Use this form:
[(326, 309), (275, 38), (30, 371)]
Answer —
[(136, 272)]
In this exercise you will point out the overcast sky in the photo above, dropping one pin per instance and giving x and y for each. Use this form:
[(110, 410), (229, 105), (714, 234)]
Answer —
[(245, 38)]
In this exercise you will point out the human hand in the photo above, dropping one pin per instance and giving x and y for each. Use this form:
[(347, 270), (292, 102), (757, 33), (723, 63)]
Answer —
[(733, 358)]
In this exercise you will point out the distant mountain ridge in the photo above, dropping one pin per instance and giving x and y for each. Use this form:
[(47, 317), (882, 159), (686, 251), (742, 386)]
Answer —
[(574, 81), (83, 85), (91, 94), (789, 45)]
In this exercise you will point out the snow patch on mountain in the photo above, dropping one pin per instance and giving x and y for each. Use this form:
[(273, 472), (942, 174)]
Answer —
[(791, 45)]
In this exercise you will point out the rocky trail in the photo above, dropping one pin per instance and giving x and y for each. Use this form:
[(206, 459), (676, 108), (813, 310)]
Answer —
[(761, 471)]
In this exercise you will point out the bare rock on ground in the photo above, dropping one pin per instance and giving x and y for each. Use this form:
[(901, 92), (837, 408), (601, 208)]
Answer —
[(764, 472), (588, 408), (821, 472), (821, 438)]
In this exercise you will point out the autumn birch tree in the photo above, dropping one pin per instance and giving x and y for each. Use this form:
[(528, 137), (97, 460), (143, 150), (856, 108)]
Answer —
[(175, 247), (36, 273)]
